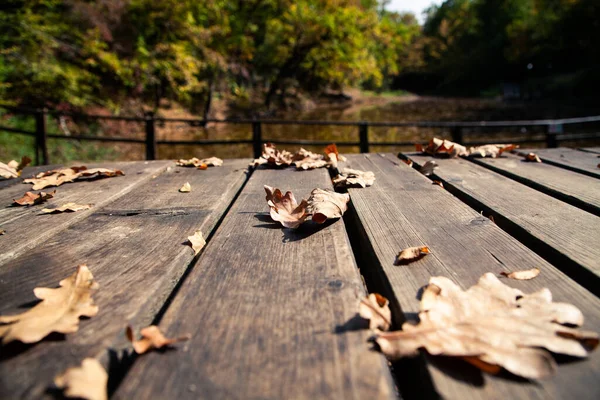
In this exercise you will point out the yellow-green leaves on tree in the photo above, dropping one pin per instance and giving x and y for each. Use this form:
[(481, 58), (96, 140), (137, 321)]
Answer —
[(492, 324), (376, 309), (59, 310), (326, 204), (285, 208), (86, 382), (152, 338)]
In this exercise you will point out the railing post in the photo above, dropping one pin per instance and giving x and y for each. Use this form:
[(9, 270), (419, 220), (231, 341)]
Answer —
[(150, 136), (41, 143), (457, 136), (363, 136), (551, 132), (257, 139)]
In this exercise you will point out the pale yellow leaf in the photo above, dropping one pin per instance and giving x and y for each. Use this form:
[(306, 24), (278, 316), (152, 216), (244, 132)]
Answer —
[(68, 207), (376, 309), (522, 275), (197, 241), (186, 188), (86, 382)]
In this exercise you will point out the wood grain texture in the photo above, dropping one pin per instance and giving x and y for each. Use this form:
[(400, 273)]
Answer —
[(579, 161), (576, 189), (262, 305), (26, 227), (564, 235), (590, 149), (135, 247), (402, 209)]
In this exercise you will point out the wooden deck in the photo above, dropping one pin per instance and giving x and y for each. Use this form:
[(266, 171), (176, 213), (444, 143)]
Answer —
[(272, 311)]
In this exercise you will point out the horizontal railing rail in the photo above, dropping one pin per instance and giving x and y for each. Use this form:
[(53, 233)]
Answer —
[(551, 137)]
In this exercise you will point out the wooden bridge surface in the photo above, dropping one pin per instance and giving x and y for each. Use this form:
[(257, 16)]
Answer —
[(270, 310)]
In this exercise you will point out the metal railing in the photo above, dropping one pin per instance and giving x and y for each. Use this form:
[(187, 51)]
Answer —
[(553, 131)]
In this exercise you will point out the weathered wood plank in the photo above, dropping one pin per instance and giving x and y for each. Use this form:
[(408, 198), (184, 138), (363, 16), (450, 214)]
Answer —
[(27, 226), (576, 189), (575, 160), (262, 305), (135, 247), (404, 209), (27, 172), (564, 235), (590, 149)]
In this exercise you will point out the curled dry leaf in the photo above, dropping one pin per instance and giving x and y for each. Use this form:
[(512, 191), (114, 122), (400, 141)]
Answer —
[(532, 157), (272, 156), (59, 310), (411, 254), (197, 241), (186, 188), (441, 147), (408, 162), (152, 338), (57, 177), (200, 164), (2, 232), (493, 323), (522, 275), (376, 309), (439, 183), (304, 159), (354, 178), (13, 168), (428, 167), (285, 208), (86, 382), (326, 204), (30, 198), (69, 207), (491, 150)]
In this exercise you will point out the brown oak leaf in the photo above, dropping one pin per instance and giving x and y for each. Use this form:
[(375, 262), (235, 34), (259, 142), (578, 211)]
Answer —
[(494, 324), (200, 164), (522, 275), (30, 198), (86, 382), (411, 254), (354, 178), (64, 175), (59, 310), (326, 204), (152, 338), (376, 309), (441, 147), (68, 207), (272, 156), (285, 208)]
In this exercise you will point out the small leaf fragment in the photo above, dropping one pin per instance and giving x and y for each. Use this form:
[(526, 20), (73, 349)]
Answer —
[(522, 275), (59, 311), (411, 254), (86, 382), (2, 232), (186, 188), (408, 162), (152, 338), (197, 241), (326, 204), (439, 183), (30, 198), (68, 207), (376, 309), (532, 157), (427, 168), (285, 208)]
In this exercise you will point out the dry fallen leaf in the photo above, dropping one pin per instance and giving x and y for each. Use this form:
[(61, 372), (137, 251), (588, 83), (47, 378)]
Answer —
[(439, 183), (304, 159), (285, 208), (428, 167), (86, 382), (354, 178), (407, 162), (69, 207), (197, 241), (532, 157), (200, 164), (326, 204), (2, 232), (30, 198), (493, 323), (411, 254), (376, 309), (152, 338), (13, 168), (491, 150), (272, 156), (186, 188), (522, 275), (59, 310), (59, 176), (437, 147)]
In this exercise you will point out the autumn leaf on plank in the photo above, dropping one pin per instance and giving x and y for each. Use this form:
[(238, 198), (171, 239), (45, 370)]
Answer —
[(491, 150), (30, 198), (200, 164), (327, 204), (274, 157), (86, 382), (197, 241), (428, 167), (411, 254), (376, 309), (532, 157), (152, 338), (304, 159), (522, 275), (285, 208), (186, 188), (441, 147), (68, 207), (354, 178), (65, 175), (13, 168), (59, 310), (2, 232), (408, 162), (493, 324)]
